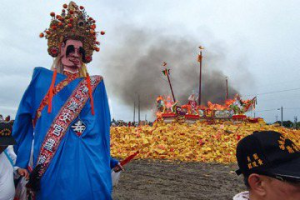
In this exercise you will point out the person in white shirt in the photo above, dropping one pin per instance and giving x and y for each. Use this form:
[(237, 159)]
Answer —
[(7, 161)]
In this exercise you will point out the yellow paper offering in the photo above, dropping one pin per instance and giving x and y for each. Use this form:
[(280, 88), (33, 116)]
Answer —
[(197, 142)]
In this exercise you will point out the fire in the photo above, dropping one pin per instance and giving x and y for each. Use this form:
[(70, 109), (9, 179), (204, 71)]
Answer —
[(216, 106)]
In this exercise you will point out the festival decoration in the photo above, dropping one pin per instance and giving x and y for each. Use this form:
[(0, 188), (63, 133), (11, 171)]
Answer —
[(72, 23), (232, 109), (240, 106), (166, 72), (199, 142)]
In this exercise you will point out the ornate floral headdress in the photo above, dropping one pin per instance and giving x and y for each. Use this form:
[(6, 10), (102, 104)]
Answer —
[(73, 23)]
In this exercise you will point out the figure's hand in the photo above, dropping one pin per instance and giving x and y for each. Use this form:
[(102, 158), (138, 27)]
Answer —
[(118, 168), (23, 172)]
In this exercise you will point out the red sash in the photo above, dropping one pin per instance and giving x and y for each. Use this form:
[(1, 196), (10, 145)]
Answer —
[(62, 121)]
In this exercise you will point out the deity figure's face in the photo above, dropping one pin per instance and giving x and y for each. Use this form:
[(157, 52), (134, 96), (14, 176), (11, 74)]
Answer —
[(72, 53)]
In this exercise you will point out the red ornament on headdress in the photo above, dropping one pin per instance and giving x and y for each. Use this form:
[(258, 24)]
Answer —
[(72, 23)]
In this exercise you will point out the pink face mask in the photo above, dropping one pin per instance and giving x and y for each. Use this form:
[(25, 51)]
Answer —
[(72, 54)]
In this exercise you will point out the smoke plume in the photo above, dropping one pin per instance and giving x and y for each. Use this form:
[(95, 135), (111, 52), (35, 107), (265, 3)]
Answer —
[(134, 68)]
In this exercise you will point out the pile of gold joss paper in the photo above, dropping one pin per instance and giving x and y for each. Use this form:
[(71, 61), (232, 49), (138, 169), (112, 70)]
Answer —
[(197, 142)]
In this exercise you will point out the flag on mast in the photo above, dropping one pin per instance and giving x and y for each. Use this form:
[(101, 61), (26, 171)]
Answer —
[(166, 71), (199, 58)]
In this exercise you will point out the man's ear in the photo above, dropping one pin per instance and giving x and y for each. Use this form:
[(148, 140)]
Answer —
[(257, 184)]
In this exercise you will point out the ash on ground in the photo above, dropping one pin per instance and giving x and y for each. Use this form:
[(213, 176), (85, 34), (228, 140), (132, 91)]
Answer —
[(162, 180)]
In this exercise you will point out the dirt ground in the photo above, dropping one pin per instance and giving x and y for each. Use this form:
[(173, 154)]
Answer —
[(145, 180)]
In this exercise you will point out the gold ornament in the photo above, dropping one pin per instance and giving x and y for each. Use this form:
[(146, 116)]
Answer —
[(73, 23)]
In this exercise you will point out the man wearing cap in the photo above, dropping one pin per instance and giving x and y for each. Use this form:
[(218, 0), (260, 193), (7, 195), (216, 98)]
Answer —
[(65, 112), (270, 164)]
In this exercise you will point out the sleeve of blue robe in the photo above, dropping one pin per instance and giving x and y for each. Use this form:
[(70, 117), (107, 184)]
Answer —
[(100, 91), (113, 162), (23, 129)]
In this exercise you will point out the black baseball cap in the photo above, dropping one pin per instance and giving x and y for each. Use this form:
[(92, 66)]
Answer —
[(269, 153), (5, 134)]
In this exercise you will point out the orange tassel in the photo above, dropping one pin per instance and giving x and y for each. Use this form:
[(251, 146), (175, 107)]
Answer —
[(50, 93), (88, 80)]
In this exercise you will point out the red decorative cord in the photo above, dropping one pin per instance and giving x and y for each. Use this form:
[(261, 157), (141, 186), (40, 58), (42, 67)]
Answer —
[(51, 91), (88, 79)]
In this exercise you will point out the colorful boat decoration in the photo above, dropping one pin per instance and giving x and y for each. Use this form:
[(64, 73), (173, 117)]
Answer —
[(232, 109)]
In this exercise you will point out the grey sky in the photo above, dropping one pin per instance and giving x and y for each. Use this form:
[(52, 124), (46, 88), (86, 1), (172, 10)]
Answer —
[(263, 36)]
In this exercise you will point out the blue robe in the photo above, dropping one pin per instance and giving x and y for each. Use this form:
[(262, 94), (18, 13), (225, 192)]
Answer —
[(113, 162), (80, 169)]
